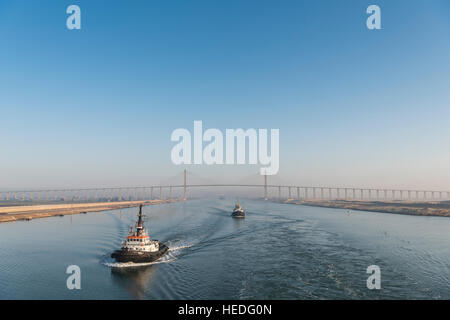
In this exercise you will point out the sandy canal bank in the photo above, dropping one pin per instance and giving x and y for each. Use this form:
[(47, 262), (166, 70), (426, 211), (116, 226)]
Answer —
[(417, 208), (16, 213)]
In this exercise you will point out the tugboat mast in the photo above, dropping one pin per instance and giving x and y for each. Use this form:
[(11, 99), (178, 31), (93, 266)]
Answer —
[(140, 225)]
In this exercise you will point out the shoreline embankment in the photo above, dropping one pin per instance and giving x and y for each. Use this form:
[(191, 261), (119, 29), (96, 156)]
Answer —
[(29, 212), (415, 208)]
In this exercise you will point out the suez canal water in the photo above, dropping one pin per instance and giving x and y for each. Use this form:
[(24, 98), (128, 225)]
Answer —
[(279, 251)]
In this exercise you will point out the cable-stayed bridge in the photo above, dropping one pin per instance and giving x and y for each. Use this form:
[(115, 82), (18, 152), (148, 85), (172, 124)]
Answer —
[(182, 191)]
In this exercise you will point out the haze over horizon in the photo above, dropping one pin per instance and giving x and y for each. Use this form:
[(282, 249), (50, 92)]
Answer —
[(96, 107)]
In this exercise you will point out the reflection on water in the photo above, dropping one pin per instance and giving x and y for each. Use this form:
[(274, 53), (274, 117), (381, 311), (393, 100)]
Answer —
[(135, 280), (279, 251), (238, 223)]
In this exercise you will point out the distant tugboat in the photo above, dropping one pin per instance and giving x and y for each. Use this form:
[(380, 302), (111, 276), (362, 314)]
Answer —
[(138, 247), (238, 212)]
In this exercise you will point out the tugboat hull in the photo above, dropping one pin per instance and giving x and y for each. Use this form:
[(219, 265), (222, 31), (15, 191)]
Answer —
[(139, 256), (238, 214)]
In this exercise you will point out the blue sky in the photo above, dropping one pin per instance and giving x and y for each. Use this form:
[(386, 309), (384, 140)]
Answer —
[(96, 106)]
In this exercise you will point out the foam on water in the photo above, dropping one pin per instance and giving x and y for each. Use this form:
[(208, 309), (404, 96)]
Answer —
[(113, 264), (180, 247)]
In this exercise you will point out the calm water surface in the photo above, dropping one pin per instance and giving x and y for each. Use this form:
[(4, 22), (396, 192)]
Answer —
[(279, 251)]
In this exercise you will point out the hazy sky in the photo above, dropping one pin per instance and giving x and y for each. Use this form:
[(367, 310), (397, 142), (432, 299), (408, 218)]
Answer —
[(96, 106)]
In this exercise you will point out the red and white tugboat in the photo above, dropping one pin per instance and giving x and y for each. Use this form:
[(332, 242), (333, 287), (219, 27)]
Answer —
[(138, 247)]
